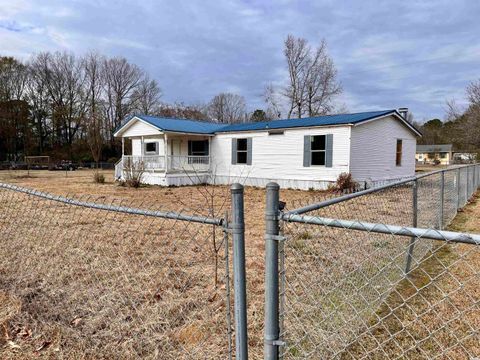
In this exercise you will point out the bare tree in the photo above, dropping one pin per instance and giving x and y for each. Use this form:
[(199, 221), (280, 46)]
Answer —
[(452, 110), (13, 79), (296, 52), (313, 83), (472, 116), (121, 81), (147, 96), (36, 93), (227, 108), (64, 80), (320, 82), (94, 121), (180, 110), (270, 96)]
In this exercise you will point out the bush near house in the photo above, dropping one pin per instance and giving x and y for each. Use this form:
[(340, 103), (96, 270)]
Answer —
[(345, 182)]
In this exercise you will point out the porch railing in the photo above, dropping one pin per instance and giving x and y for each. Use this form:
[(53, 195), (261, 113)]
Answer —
[(149, 162), (200, 163), (157, 162)]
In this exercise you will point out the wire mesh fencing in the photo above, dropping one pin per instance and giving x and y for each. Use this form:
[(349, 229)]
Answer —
[(373, 275), (91, 277)]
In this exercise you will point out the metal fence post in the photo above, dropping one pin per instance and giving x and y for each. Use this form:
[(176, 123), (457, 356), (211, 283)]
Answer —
[(237, 227), (442, 199), (458, 188), (411, 246), (475, 178), (272, 321), (467, 193)]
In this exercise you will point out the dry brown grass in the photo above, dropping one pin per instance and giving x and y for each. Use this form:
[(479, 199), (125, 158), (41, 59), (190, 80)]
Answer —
[(91, 284), (116, 247), (435, 312)]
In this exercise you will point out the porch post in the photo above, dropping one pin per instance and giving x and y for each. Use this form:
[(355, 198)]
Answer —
[(165, 145), (143, 148), (209, 151), (123, 146)]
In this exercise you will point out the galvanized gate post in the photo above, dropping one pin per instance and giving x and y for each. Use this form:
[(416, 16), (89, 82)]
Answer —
[(442, 199), (272, 321), (411, 246), (237, 227)]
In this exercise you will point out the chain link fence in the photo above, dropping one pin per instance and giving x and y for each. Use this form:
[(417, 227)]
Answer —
[(373, 274), (91, 277)]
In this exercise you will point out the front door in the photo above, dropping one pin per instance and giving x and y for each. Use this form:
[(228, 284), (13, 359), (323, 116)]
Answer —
[(175, 159)]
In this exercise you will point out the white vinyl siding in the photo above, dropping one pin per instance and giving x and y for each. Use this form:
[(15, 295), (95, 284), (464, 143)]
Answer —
[(281, 157), (374, 150), (140, 128), (137, 146)]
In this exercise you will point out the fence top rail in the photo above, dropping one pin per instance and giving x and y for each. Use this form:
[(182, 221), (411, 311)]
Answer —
[(339, 199), (121, 209), (422, 233)]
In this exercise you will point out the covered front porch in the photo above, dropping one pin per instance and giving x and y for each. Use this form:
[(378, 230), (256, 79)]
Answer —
[(164, 154)]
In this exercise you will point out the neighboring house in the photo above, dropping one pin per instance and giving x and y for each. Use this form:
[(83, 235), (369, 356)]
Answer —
[(434, 154), (296, 153)]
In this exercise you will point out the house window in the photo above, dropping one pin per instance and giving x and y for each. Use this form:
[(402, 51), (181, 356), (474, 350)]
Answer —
[(198, 147), (151, 148), (443, 155), (318, 150), (398, 159), (242, 151)]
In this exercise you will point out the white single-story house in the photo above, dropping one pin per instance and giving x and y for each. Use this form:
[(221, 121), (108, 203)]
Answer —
[(296, 153), (434, 154)]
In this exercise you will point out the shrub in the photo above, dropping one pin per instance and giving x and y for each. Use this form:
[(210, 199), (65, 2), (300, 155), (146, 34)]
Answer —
[(345, 182), (98, 178), (133, 173), (135, 183)]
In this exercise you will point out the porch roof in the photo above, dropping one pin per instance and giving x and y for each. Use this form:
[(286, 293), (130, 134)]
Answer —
[(174, 125)]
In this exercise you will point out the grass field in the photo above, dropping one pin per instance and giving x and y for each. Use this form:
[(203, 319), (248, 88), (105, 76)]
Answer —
[(70, 271), (98, 226)]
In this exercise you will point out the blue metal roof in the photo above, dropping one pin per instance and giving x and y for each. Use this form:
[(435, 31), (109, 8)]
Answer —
[(340, 119), (182, 125), (210, 128)]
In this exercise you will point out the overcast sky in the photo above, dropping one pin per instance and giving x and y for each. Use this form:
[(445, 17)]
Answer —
[(389, 53)]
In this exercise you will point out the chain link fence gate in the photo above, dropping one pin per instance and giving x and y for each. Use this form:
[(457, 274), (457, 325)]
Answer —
[(87, 277), (373, 275)]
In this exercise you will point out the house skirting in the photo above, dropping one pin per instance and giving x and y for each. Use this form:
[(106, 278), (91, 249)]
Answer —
[(182, 179)]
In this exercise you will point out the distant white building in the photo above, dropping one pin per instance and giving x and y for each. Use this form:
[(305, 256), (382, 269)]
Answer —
[(296, 153), (434, 154)]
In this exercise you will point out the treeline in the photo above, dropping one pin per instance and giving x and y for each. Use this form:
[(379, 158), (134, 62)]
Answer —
[(461, 126), (68, 106)]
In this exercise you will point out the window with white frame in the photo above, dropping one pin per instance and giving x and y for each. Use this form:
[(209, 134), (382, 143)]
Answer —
[(151, 148)]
